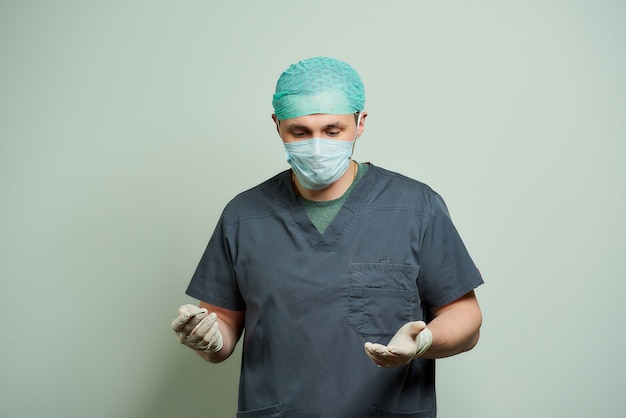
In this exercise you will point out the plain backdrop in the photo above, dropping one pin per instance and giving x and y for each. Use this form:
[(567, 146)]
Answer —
[(126, 126)]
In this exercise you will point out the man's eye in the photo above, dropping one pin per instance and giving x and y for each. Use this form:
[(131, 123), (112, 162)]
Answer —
[(298, 134), (333, 133)]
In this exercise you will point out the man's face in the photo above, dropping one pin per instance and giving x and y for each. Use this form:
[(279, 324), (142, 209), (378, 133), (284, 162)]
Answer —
[(337, 127)]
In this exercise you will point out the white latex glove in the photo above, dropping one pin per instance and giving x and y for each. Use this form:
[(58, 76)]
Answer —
[(200, 332), (411, 340)]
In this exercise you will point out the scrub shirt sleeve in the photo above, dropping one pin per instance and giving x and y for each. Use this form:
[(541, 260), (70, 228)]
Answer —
[(214, 281), (447, 271)]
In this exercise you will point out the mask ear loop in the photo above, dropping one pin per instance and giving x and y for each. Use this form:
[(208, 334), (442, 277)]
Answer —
[(356, 135), (358, 123)]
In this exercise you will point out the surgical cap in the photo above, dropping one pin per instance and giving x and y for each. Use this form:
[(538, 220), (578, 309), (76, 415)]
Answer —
[(318, 85)]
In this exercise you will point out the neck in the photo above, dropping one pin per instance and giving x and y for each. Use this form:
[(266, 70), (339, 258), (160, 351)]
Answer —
[(332, 192)]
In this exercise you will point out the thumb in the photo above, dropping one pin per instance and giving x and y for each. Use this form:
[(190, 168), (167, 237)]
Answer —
[(415, 328), (188, 308), (405, 339)]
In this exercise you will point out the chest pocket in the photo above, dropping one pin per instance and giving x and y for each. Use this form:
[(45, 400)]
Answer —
[(381, 298)]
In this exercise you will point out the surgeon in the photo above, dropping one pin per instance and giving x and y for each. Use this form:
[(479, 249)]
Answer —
[(348, 279)]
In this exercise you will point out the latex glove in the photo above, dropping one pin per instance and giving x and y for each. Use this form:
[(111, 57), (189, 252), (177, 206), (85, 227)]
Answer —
[(199, 332), (411, 340)]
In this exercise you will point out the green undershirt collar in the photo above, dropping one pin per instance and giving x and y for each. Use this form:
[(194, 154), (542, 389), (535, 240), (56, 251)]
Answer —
[(322, 214)]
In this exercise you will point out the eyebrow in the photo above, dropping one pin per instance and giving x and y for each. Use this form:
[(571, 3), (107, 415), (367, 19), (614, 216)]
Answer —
[(296, 126)]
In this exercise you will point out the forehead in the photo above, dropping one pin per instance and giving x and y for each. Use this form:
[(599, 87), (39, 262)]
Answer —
[(318, 120)]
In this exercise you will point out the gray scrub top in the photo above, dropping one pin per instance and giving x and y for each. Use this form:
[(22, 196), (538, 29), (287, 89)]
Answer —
[(311, 301)]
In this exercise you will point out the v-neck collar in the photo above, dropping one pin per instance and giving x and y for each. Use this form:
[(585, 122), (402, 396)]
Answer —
[(343, 221)]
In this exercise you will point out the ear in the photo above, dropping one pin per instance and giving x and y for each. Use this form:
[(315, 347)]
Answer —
[(361, 127), (277, 122)]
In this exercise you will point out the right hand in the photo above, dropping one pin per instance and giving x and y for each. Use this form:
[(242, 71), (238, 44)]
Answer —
[(200, 332)]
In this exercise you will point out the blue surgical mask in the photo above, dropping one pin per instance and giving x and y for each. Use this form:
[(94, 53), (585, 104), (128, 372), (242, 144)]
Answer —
[(318, 163)]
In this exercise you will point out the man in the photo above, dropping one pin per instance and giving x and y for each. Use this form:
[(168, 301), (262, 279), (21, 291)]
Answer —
[(348, 279)]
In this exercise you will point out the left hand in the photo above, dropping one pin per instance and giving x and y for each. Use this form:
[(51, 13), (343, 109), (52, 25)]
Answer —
[(400, 350)]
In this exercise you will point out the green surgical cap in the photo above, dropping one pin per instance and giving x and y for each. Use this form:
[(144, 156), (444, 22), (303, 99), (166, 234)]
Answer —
[(318, 85)]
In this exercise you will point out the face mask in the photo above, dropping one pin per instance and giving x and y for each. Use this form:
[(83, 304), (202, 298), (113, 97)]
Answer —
[(318, 163)]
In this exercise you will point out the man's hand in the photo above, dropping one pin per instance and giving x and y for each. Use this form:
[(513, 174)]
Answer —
[(411, 340), (197, 329)]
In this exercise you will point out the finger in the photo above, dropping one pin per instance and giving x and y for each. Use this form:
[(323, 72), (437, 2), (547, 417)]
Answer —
[(186, 322), (393, 364), (191, 340), (209, 336), (380, 362), (401, 350), (185, 313), (204, 325), (373, 358), (376, 349), (185, 338), (380, 355), (188, 308), (213, 339), (179, 323)]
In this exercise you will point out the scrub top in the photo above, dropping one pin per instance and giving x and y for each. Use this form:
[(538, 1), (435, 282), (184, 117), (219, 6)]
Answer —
[(311, 301)]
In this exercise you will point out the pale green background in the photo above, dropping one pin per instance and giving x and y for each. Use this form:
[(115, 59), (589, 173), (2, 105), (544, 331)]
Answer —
[(125, 126)]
